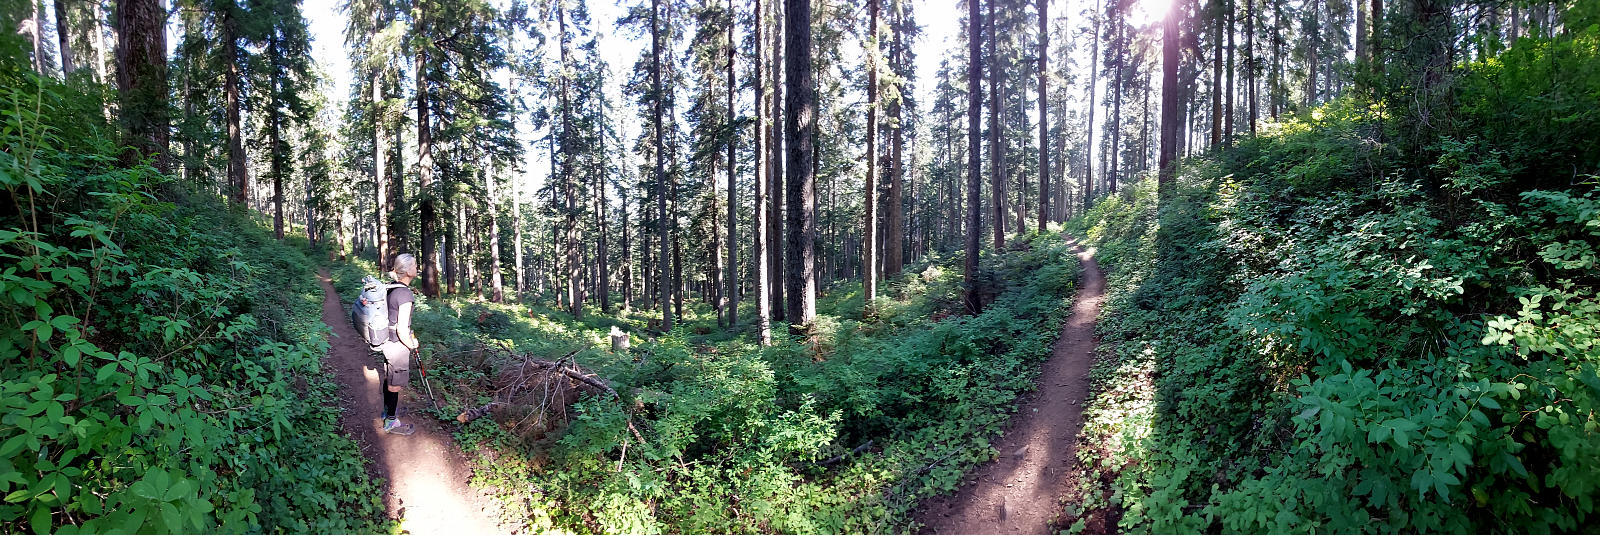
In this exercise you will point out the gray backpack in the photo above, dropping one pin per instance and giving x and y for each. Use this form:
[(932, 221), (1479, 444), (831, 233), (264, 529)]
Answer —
[(370, 312)]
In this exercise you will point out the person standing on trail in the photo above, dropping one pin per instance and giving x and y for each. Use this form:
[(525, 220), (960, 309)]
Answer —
[(402, 341)]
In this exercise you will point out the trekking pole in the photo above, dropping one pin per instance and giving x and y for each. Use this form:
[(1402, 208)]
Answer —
[(416, 354)]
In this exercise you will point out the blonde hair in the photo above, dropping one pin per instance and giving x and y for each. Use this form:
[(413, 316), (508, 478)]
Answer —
[(405, 265)]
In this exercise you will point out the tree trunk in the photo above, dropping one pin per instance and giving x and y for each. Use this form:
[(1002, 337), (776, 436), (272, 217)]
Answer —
[(451, 267), (64, 36), (758, 257), (799, 127), (869, 228), (775, 169), (1250, 58), (1094, 79), (1171, 114), (238, 173), (971, 297), (380, 214), (894, 216), (275, 140), (665, 283), (1114, 164), (430, 214), (1275, 83), (497, 286), (731, 275), (997, 151), (1044, 117), (519, 282), (1216, 75), (569, 185), (1361, 31), (1375, 45), (1311, 57), (602, 228), (1227, 118)]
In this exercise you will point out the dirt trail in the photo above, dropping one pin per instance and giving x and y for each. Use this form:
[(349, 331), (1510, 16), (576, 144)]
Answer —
[(1019, 491), (426, 473)]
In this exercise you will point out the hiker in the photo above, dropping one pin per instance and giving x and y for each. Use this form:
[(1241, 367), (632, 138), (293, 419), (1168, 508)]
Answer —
[(402, 341)]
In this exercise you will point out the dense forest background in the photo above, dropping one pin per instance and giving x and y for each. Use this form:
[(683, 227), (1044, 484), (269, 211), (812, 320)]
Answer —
[(1352, 249)]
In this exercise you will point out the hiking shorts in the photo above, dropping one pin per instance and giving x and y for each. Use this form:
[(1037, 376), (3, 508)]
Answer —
[(396, 363)]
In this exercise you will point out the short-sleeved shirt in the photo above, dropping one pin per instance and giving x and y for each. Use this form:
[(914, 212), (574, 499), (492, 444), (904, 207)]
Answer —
[(398, 296)]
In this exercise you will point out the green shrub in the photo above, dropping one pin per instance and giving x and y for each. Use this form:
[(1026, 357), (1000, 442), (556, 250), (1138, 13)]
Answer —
[(164, 368), (1305, 339), (733, 435)]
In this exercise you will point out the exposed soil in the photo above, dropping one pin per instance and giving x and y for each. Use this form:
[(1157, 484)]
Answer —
[(426, 474), (1020, 491)]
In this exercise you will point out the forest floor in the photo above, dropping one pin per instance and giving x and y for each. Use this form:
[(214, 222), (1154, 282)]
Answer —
[(427, 488), (1019, 492)]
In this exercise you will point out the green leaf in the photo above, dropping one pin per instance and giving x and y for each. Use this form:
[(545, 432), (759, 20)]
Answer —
[(40, 520), (1489, 402)]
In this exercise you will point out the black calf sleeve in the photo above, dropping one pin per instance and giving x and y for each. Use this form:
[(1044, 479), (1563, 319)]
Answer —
[(391, 401)]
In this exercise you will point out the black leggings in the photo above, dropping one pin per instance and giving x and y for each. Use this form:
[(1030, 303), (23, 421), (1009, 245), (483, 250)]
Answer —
[(391, 401)]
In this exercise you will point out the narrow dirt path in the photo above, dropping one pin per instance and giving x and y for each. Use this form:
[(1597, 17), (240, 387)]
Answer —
[(427, 475), (1019, 491)]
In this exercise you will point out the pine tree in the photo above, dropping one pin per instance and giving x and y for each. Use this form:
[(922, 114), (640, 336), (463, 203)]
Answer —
[(800, 177), (286, 46), (974, 303)]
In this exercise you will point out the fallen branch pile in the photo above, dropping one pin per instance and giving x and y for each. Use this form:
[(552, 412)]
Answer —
[(532, 395)]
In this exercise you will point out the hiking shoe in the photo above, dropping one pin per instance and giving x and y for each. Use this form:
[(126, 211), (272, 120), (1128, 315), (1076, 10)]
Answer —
[(394, 427)]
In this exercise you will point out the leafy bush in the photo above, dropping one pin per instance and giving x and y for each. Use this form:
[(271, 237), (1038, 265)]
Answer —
[(1304, 339), (163, 370)]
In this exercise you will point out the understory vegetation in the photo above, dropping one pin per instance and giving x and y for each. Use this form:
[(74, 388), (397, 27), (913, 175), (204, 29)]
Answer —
[(734, 438), (1349, 324), (163, 360)]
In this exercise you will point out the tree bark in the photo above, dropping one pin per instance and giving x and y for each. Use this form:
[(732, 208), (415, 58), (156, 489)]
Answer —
[(1311, 56), (569, 186), (971, 297), (1250, 59), (381, 205), (1114, 156), (602, 229), (1044, 121), (275, 139), (496, 284), (731, 275), (894, 215), (1361, 31), (1227, 119), (1171, 113), (665, 281), (1375, 44), (142, 79), (799, 127), (1216, 75), (997, 151), (64, 36), (776, 278), (238, 173), (869, 228), (758, 257), (430, 215), (1094, 79)]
